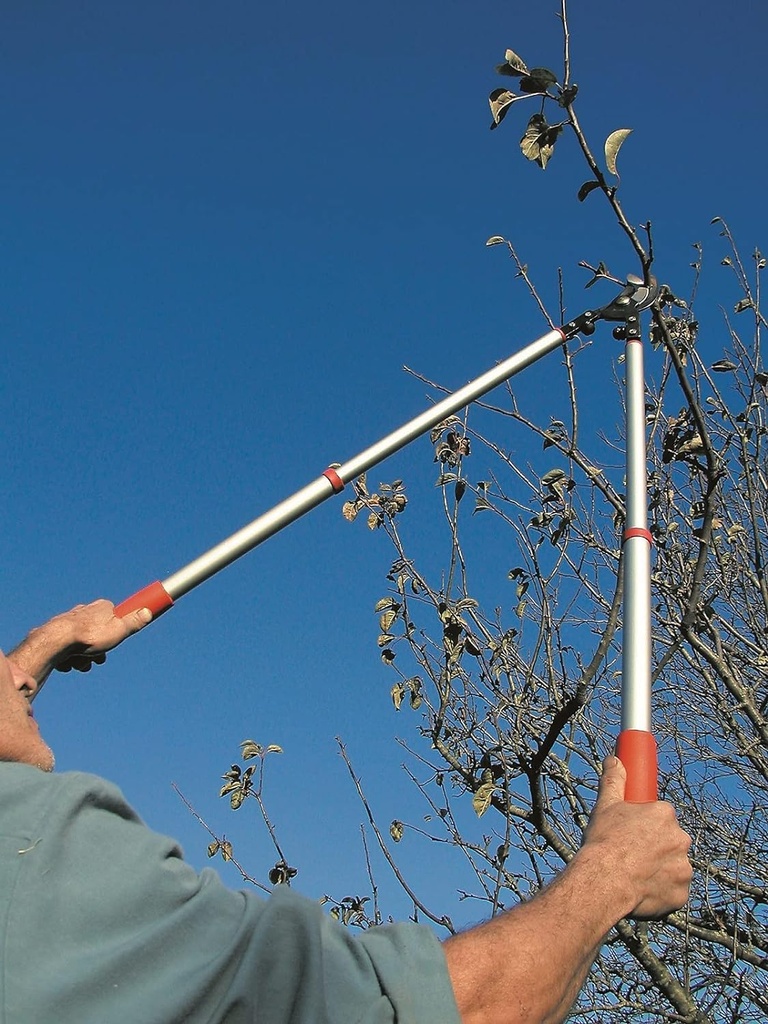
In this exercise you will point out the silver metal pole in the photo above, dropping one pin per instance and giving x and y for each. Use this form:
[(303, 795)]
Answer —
[(636, 655), (636, 746), (333, 480)]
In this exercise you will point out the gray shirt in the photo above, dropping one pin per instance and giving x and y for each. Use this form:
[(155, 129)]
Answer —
[(102, 922)]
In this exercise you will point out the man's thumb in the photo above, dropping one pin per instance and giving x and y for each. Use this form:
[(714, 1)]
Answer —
[(613, 781), (140, 618)]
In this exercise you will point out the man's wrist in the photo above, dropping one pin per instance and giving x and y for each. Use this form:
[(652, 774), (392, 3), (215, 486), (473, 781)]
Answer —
[(597, 870)]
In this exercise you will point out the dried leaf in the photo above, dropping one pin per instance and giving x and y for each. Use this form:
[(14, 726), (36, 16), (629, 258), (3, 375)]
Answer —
[(552, 477), (537, 80), (538, 142), (384, 603), (397, 693), (396, 830), (273, 748), (568, 95), (435, 433), (613, 144), (213, 848), (724, 366), (513, 65), (472, 646), (349, 510), (386, 619), (281, 873), (414, 685), (586, 188), (481, 800), (495, 240), (251, 749), (500, 101)]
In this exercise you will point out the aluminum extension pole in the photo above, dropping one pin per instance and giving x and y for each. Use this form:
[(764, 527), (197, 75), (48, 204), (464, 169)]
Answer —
[(636, 745), (159, 596)]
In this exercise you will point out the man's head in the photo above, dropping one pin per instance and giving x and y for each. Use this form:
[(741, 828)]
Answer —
[(20, 738)]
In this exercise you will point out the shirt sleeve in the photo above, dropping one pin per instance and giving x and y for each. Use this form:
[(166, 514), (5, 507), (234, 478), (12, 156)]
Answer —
[(108, 924)]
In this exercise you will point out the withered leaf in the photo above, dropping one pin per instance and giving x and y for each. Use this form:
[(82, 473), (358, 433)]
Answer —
[(500, 100), (538, 142), (513, 65), (613, 144)]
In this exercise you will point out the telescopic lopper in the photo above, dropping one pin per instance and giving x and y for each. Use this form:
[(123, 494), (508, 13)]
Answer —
[(636, 745)]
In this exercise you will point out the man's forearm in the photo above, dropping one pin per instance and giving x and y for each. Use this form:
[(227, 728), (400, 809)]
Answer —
[(39, 652), (530, 963)]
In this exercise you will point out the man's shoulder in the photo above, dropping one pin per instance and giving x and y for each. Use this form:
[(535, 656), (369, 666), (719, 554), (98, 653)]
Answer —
[(29, 795), (26, 779)]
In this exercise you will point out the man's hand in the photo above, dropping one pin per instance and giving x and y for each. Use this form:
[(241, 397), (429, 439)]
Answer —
[(644, 842), (529, 963), (77, 639)]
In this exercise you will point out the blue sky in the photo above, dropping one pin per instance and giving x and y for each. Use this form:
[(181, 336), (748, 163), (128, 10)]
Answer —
[(225, 229)]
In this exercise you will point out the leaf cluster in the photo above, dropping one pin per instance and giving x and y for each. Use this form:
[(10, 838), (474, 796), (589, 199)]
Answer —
[(382, 505), (541, 134)]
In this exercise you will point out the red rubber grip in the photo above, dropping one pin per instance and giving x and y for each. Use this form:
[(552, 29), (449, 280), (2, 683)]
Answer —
[(155, 597), (334, 479), (636, 750)]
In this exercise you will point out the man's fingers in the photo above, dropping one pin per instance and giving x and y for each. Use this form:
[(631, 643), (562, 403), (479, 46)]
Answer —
[(81, 662), (99, 630)]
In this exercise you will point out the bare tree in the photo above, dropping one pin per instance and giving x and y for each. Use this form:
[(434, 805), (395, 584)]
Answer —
[(515, 710)]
